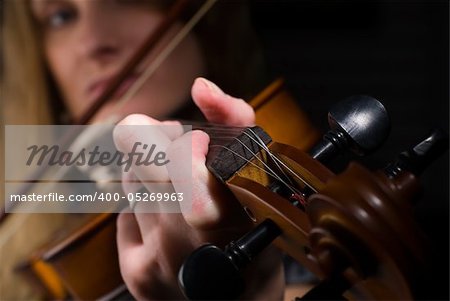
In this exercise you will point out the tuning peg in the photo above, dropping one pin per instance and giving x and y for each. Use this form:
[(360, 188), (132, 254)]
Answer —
[(417, 158), (359, 123), (212, 274)]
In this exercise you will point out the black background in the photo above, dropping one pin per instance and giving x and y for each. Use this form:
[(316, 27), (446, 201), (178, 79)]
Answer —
[(396, 51)]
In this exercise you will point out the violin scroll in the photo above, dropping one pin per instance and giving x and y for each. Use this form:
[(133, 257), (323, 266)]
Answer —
[(368, 232)]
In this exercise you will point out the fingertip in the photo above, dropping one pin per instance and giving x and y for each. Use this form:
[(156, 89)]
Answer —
[(192, 145), (200, 144), (138, 119), (205, 93), (123, 133), (220, 107), (202, 88)]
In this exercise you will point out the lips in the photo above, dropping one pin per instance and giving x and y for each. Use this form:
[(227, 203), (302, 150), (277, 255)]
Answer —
[(98, 87)]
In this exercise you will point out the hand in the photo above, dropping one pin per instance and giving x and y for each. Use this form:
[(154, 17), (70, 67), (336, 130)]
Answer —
[(152, 246)]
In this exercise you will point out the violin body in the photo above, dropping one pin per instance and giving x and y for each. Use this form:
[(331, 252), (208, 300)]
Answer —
[(83, 265)]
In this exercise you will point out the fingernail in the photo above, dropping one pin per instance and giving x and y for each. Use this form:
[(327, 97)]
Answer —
[(211, 86)]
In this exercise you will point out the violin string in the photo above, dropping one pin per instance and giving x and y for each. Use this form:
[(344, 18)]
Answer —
[(260, 160), (214, 132), (262, 145), (276, 160), (203, 124), (245, 159), (272, 172), (295, 174), (284, 165), (161, 57), (268, 151), (268, 172)]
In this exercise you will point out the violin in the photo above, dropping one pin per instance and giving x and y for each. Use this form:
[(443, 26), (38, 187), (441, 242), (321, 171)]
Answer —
[(338, 226), (355, 230), (61, 273)]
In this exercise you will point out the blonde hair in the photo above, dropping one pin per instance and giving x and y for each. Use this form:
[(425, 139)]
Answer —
[(23, 84), (25, 94), (25, 100)]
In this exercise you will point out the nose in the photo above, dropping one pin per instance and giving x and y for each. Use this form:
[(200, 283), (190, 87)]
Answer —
[(98, 40)]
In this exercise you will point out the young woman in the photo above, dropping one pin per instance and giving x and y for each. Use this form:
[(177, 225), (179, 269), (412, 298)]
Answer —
[(60, 55)]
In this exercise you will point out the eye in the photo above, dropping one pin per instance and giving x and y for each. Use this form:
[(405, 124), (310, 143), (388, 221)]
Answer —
[(60, 17)]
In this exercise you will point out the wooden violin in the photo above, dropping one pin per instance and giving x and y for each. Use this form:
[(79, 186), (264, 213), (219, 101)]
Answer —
[(355, 231), (362, 258), (338, 226)]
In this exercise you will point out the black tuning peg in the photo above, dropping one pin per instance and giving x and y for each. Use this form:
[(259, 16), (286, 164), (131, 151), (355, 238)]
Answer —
[(416, 159), (212, 274), (359, 123)]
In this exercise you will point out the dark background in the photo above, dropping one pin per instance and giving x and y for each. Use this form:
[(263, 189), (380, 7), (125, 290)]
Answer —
[(396, 51)]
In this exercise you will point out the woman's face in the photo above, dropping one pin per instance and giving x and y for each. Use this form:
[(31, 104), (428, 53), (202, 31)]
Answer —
[(86, 42)]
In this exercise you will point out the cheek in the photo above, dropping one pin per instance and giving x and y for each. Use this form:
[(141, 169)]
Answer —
[(56, 56), (60, 61), (134, 29), (169, 87), (180, 70)]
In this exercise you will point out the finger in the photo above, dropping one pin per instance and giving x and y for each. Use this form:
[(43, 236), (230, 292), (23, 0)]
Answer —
[(210, 203), (185, 179), (145, 221), (148, 224), (130, 183), (134, 190), (128, 232), (142, 144), (172, 128), (154, 177), (219, 107)]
